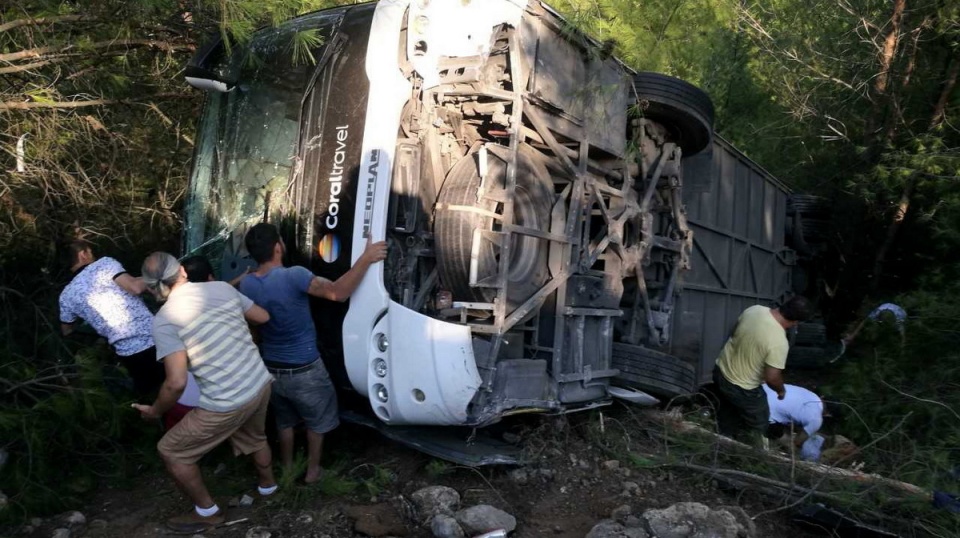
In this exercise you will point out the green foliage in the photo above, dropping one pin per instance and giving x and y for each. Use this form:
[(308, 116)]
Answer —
[(905, 406), (436, 468), (64, 432)]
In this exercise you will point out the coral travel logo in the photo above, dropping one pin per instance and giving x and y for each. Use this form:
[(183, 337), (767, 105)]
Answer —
[(329, 248)]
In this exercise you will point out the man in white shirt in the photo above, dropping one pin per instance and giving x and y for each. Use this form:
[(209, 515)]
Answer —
[(104, 295), (802, 408)]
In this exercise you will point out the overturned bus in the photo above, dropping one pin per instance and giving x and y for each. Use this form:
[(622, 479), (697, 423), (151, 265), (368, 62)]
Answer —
[(562, 230)]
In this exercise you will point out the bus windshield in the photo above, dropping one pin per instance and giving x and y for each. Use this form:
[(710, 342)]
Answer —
[(247, 137)]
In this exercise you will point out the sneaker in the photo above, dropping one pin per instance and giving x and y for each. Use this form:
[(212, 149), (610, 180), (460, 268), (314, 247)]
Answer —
[(193, 522)]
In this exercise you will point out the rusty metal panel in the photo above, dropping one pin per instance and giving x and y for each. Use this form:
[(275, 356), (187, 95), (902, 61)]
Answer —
[(584, 91), (738, 218)]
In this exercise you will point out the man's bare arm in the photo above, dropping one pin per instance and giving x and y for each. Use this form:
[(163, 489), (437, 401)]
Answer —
[(343, 287), (773, 377), (133, 285), (173, 386), (256, 315)]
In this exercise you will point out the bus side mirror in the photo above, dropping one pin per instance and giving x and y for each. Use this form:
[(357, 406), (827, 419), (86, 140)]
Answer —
[(199, 74)]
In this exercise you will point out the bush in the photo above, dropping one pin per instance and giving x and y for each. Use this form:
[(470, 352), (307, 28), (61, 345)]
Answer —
[(902, 395), (65, 419)]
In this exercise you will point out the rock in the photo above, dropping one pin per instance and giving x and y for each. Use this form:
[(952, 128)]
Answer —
[(376, 520), (36, 522), (3, 502), (693, 520), (484, 518), (546, 475), (73, 519), (611, 465), (621, 512), (233, 502), (98, 523), (519, 476), (742, 518), (258, 532), (630, 488), (245, 501), (632, 522), (304, 519), (433, 500), (584, 465), (611, 529), (444, 526), (626, 472), (511, 438), (60, 533)]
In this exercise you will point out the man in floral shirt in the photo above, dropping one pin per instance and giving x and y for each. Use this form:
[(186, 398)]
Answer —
[(104, 295)]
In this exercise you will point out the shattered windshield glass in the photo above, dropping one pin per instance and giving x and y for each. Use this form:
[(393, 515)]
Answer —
[(247, 139)]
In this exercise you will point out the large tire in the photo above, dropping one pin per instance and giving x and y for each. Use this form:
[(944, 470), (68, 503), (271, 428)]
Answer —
[(658, 373), (454, 229), (804, 357), (685, 110), (810, 334)]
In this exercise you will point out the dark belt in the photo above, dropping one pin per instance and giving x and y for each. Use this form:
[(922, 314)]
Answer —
[(291, 371)]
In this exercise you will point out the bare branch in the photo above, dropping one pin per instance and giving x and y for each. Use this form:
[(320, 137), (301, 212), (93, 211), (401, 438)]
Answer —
[(44, 20), (41, 52), (27, 105)]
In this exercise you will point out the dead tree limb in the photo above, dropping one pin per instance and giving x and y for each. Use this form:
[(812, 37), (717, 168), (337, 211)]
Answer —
[(42, 52), (29, 105), (37, 21)]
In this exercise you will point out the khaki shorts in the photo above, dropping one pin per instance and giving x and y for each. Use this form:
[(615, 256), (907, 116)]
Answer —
[(201, 431)]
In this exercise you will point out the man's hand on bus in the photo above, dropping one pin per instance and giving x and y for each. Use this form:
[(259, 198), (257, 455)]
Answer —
[(373, 253)]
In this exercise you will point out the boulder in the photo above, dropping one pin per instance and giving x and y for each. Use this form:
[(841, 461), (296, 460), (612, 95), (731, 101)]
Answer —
[(433, 500), (444, 526), (621, 513), (484, 518), (609, 528), (519, 476), (694, 520), (73, 519), (60, 533), (258, 532)]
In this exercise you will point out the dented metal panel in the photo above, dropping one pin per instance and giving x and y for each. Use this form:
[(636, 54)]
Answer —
[(737, 211)]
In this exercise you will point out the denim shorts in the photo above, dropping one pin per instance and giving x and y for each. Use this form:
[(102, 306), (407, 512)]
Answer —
[(307, 394)]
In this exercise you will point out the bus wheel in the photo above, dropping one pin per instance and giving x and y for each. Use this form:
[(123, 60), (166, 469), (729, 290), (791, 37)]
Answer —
[(683, 109), (455, 225)]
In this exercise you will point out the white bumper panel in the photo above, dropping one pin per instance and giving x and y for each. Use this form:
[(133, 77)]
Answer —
[(431, 375)]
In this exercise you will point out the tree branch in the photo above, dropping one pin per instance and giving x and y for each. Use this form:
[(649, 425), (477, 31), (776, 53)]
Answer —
[(41, 52), (13, 105), (43, 20)]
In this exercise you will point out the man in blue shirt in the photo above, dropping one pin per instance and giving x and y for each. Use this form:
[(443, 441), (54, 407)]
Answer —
[(303, 389)]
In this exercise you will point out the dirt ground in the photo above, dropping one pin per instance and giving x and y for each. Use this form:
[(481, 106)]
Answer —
[(570, 483)]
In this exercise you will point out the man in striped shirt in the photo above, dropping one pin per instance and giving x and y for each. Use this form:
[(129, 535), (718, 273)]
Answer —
[(202, 328)]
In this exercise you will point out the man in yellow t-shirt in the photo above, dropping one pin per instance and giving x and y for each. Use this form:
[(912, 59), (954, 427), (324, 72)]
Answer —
[(755, 353)]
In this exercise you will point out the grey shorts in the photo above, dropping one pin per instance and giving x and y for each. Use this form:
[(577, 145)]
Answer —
[(307, 394)]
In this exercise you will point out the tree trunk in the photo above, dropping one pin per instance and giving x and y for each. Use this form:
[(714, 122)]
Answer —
[(903, 204), (881, 92)]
